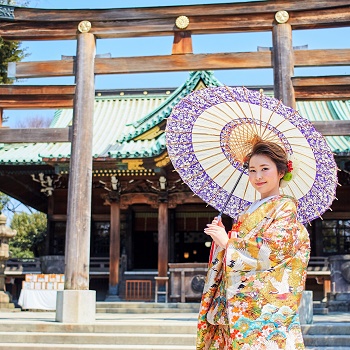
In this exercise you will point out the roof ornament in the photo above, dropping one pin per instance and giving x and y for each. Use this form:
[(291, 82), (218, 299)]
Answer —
[(84, 26), (182, 22)]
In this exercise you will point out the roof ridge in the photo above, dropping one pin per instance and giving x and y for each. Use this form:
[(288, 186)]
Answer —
[(192, 81)]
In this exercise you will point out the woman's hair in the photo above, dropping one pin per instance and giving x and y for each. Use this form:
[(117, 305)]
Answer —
[(272, 150)]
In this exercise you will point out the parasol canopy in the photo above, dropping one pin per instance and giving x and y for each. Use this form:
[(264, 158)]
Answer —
[(210, 132)]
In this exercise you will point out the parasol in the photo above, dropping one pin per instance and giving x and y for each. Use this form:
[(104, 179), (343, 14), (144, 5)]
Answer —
[(210, 132)]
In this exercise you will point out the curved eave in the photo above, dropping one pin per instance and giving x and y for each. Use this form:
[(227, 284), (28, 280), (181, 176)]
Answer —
[(138, 149)]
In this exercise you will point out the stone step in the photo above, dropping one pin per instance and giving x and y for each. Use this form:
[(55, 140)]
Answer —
[(188, 327), (319, 304), (12, 309), (327, 329), (327, 348), (144, 311), (145, 305), (31, 346), (333, 341), (98, 338), (20, 346), (320, 311)]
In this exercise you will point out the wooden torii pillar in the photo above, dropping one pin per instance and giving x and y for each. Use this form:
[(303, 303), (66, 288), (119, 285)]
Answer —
[(77, 304), (283, 59)]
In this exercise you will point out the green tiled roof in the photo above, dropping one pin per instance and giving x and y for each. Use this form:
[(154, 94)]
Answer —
[(122, 121), (164, 110), (328, 110)]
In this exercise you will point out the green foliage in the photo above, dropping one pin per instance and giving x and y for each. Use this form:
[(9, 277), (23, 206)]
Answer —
[(10, 51), (4, 201), (31, 232)]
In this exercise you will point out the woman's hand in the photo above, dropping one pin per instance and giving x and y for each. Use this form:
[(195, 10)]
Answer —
[(217, 232)]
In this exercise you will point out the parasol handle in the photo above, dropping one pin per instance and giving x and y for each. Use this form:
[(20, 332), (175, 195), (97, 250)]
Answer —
[(245, 166)]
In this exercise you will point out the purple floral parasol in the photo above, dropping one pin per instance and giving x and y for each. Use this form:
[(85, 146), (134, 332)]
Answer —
[(210, 132)]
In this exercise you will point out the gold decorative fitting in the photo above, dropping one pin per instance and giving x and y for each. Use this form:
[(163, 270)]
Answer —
[(182, 22), (282, 16), (84, 26)]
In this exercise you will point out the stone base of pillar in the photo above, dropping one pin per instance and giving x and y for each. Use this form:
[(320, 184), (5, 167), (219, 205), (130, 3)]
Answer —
[(5, 303), (306, 311), (111, 298), (76, 306), (113, 293)]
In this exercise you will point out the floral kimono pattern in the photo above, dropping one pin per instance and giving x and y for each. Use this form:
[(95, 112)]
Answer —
[(254, 286)]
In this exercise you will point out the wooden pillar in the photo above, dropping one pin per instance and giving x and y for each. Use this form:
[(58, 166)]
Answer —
[(50, 212), (283, 59), (163, 239), (1, 113), (80, 170), (114, 249), (182, 43)]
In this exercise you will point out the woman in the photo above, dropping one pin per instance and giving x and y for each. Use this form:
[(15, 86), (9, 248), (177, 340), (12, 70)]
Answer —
[(257, 271)]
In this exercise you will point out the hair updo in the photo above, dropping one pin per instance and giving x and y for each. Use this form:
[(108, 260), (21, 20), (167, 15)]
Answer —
[(272, 150)]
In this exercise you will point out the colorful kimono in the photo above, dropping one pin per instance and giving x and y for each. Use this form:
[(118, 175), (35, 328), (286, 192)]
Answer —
[(254, 286)]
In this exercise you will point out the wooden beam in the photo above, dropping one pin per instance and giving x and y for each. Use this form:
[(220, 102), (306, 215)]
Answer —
[(59, 68), (19, 103), (42, 135), (40, 24), (322, 88), (334, 80), (312, 58), (36, 97), (116, 14), (173, 63), (333, 127), (31, 90), (46, 135)]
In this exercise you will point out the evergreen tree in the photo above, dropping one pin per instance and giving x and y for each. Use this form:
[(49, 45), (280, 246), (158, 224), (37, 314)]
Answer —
[(10, 51), (31, 232)]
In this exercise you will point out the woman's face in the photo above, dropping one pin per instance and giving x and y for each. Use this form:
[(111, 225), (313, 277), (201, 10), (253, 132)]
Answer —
[(264, 176)]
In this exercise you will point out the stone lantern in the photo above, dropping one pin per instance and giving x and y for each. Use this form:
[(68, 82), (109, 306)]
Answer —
[(5, 234)]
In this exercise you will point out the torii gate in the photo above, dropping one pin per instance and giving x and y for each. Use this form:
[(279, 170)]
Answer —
[(279, 17)]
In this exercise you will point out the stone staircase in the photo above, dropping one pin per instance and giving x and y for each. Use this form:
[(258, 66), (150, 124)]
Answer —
[(320, 308), (131, 335), (145, 307), (138, 326), (330, 336)]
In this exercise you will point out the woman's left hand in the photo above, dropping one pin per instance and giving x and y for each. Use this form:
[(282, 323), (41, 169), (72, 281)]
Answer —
[(217, 232)]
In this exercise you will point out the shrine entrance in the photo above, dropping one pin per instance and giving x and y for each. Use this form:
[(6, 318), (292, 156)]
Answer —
[(191, 244), (145, 240)]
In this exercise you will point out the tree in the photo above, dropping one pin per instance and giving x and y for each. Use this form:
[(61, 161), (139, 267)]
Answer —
[(10, 51), (31, 232), (4, 201), (34, 122)]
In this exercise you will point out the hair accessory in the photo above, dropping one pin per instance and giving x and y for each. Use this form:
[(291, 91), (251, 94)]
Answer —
[(291, 173)]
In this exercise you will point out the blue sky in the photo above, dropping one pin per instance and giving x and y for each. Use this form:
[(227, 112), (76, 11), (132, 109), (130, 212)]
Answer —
[(238, 42)]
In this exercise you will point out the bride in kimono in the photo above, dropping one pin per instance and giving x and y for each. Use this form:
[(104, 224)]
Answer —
[(257, 270)]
